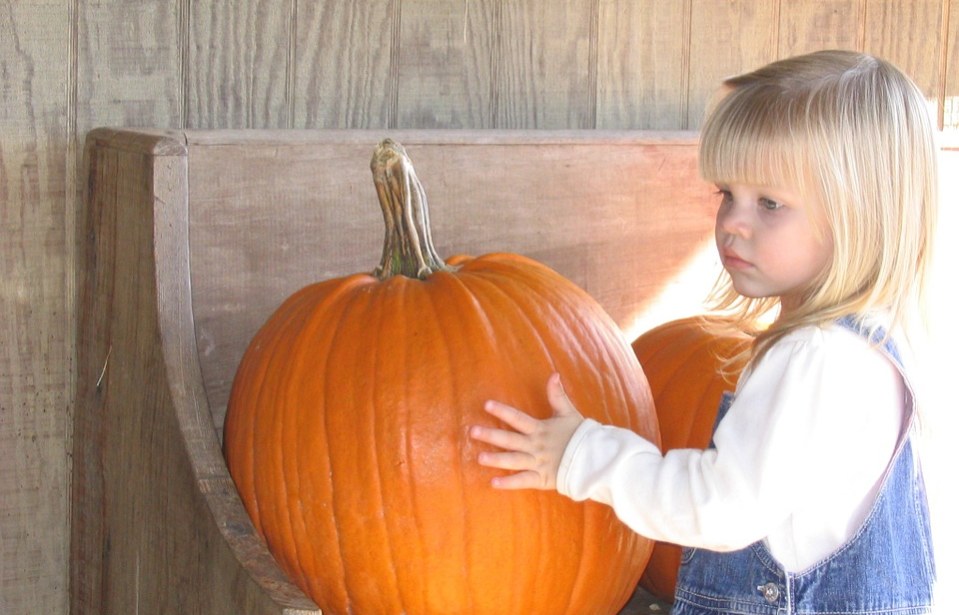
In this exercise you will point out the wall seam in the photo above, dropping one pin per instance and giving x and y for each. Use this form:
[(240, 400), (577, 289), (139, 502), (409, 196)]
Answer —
[(686, 63), (590, 117), (183, 34), (72, 206), (291, 68), (943, 65), (393, 112), (861, 35), (779, 30)]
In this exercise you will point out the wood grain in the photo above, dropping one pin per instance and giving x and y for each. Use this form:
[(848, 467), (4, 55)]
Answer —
[(238, 72), (908, 34), (809, 25), (949, 94), (156, 521), (345, 60), (128, 64), (444, 68), (643, 55), (727, 37), (35, 335), (543, 74)]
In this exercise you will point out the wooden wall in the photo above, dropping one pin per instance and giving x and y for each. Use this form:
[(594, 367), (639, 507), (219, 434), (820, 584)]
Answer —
[(67, 66)]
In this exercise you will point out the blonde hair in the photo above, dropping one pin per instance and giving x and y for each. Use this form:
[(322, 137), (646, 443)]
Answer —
[(848, 131)]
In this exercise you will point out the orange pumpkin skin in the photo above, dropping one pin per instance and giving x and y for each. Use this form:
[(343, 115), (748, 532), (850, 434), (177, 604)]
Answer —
[(681, 362), (346, 435)]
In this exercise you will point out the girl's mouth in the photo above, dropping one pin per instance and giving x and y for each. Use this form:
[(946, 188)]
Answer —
[(731, 260)]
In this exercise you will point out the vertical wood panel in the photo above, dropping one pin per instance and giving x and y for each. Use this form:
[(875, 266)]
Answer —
[(642, 64), (239, 52), (129, 64), (907, 34), (344, 62), (445, 63), (950, 86), (35, 339), (727, 37), (810, 25), (541, 65)]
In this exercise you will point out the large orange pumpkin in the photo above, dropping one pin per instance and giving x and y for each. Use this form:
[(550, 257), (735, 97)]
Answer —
[(682, 364), (346, 431)]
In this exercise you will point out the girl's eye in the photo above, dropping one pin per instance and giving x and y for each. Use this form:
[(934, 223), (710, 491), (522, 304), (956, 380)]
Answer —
[(769, 204), (725, 196)]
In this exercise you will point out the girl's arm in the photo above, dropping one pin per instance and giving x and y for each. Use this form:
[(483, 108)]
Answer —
[(816, 422)]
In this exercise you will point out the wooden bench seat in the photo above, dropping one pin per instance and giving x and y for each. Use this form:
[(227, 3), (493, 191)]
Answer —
[(189, 239)]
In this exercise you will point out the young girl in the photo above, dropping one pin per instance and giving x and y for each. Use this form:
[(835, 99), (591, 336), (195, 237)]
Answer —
[(810, 499)]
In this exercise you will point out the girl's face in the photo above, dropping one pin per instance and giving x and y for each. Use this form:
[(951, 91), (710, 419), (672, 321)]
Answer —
[(768, 242)]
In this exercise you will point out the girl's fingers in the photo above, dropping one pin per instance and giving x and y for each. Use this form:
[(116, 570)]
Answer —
[(557, 397), (517, 419), (508, 460), (500, 438)]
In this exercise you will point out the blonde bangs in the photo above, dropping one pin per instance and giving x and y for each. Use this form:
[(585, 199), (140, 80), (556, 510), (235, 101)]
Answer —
[(752, 137)]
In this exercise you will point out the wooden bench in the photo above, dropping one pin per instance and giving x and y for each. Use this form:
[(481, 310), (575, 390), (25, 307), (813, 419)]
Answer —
[(189, 239)]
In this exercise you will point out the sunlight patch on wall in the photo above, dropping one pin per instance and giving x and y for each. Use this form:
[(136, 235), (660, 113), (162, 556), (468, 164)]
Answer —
[(683, 295)]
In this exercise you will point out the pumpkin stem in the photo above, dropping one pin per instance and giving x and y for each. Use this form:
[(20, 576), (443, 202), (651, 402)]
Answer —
[(408, 246)]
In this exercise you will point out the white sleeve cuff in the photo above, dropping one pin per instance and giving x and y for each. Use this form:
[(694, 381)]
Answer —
[(569, 455)]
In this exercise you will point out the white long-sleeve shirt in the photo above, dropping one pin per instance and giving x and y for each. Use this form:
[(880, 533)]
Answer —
[(798, 458)]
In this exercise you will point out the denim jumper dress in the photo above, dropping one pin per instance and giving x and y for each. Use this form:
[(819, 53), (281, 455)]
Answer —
[(886, 567)]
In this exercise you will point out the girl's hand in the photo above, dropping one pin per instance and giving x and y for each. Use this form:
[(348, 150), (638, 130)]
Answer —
[(535, 449)]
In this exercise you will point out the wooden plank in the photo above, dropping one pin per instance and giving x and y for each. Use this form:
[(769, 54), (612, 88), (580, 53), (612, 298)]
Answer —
[(344, 63), (909, 35), (87, 488), (950, 70), (810, 25), (643, 57), (129, 64), (238, 72), (727, 37), (543, 73), (369, 138), (36, 351), (267, 219), (156, 521), (129, 60), (444, 68)]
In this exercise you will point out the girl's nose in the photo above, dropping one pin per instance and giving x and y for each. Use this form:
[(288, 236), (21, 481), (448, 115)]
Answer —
[(732, 220)]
